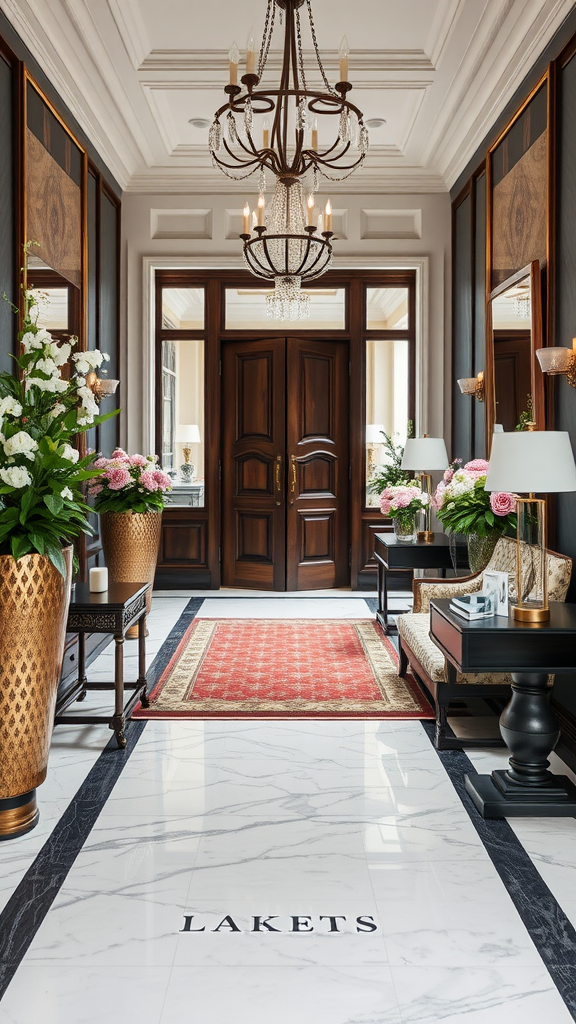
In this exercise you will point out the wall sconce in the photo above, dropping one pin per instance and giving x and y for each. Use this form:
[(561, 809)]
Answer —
[(559, 360), (100, 387), (473, 386)]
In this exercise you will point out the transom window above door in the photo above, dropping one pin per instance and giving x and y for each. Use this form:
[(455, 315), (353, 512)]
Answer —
[(245, 308)]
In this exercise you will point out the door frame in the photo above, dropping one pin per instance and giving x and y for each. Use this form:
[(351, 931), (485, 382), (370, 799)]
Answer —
[(215, 277)]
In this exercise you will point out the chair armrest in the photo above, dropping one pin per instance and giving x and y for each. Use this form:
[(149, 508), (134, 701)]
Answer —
[(426, 589)]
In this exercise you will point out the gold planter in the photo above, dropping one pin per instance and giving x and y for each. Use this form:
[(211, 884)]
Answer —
[(130, 541), (34, 601)]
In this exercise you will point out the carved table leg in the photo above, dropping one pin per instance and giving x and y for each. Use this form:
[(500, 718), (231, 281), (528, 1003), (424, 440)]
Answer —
[(530, 729), (118, 720)]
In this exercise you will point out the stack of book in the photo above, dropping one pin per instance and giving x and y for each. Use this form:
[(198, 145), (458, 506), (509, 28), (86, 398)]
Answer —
[(473, 606)]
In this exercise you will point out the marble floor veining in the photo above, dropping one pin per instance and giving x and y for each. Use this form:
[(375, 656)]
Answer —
[(243, 870)]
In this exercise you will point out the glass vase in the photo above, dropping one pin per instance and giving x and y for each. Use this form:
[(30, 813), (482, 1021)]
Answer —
[(405, 527), (481, 549)]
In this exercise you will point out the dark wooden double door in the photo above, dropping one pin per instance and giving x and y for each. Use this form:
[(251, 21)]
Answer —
[(285, 464)]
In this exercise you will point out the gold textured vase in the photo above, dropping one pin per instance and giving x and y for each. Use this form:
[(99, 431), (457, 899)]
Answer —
[(34, 601), (130, 541)]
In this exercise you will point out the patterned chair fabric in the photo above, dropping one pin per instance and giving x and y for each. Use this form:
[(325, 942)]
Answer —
[(429, 664)]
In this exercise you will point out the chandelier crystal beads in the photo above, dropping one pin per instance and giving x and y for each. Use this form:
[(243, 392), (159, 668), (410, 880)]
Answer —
[(287, 243)]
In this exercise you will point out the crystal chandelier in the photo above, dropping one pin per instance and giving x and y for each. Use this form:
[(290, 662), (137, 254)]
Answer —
[(287, 244)]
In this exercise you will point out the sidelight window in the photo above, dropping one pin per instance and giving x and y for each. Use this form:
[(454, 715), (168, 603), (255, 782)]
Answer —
[(182, 410)]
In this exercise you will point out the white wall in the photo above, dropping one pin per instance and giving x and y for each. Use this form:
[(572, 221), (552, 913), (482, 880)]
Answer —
[(198, 226)]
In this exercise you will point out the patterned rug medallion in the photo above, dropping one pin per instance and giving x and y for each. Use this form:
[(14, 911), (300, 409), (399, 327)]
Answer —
[(270, 668)]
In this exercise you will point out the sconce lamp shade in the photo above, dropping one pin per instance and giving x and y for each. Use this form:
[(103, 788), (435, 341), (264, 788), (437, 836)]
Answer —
[(468, 385), (188, 433), (374, 433), (532, 461), (554, 359), (425, 453)]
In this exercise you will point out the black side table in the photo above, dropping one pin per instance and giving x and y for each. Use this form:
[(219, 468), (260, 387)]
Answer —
[(112, 611), (393, 555), (528, 725)]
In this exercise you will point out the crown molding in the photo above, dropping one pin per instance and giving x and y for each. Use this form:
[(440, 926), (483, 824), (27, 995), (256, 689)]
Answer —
[(177, 181), (216, 61)]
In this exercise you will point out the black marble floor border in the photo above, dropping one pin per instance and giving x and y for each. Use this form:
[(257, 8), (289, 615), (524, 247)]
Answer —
[(548, 926), (33, 897)]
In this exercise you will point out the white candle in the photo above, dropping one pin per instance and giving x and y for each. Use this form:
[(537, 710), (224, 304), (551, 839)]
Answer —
[(310, 210), (250, 55), (234, 57), (246, 214), (344, 52), (328, 216), (99, 579), (261, 208)]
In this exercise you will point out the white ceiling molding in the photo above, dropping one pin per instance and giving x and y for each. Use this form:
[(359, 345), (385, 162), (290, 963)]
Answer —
[(120, 67)]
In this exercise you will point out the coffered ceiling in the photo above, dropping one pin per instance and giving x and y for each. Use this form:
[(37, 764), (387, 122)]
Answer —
[(135, 72)]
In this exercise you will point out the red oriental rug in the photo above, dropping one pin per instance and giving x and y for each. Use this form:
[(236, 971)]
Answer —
[(271, 668)]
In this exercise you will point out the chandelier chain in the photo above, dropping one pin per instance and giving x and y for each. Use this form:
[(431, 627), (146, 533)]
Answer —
[(300, 55), (267, 36), (327, 85)]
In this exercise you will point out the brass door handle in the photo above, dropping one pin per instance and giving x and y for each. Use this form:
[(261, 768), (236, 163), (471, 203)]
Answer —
[(278, 472), (293, 487)]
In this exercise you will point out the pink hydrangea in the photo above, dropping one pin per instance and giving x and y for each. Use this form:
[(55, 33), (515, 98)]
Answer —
[(502, 503), (478, 466), (147, 480), (117, 478), (137, 460), (119, 453), (101, 463), (439, 493), (162, 479)]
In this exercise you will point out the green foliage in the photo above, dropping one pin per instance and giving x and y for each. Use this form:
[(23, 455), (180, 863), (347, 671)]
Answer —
[(527, 415), (391, 474), (471, 513)]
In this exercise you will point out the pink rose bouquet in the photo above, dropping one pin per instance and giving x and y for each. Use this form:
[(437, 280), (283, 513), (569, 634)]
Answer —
[(128, 483), (463, 505), (397, 501)]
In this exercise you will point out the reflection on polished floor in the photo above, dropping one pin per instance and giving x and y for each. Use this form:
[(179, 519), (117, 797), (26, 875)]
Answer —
[(237, 871)]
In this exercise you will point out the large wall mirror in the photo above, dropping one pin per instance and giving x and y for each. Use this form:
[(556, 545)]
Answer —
[(514, 384)]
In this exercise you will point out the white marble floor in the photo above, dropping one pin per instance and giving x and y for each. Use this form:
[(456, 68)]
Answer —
[(346, 837)]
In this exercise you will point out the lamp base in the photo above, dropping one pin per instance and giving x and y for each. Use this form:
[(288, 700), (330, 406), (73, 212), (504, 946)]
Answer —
[(427, 536), (526, 614)]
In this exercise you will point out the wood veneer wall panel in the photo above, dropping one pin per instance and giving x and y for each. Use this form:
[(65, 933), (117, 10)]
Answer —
[(8, 321), (462, 356)]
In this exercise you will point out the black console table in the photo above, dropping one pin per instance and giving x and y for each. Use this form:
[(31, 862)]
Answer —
[(394, 555), (112, 611), (528, 725)]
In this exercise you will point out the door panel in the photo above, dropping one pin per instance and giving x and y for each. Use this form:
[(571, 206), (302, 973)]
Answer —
[(253, 514), (317, 446)]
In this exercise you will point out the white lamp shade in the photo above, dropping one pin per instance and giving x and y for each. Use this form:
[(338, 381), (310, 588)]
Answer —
[(188, 433), (554, 359), (532, 461), (374, 433), (425, 454)]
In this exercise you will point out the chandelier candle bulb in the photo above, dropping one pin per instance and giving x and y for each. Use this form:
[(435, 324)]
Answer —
[(250, 55), (234, 58), (315, 134), (246, 216), (310, 211), (328, 216), (266, 134), (261, 208), (344, 54)]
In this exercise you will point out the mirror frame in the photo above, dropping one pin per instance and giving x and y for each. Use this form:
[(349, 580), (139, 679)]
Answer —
[(536, 334)]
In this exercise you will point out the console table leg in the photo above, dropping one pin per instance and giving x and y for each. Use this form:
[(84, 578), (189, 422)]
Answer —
[(82, 680), (118, 720), (142, 661), (530, 729)]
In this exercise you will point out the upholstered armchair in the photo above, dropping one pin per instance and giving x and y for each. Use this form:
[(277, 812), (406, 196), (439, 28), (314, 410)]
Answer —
[(440, 679)]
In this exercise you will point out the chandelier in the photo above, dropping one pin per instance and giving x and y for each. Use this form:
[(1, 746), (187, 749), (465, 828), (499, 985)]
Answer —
[(287, 243)]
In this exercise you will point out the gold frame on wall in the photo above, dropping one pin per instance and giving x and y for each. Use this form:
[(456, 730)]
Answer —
[(534, 269), (27, 79)]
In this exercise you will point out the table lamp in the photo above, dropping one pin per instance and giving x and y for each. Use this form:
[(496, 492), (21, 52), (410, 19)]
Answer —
[(421, 456), (374, 436), (187, 434), (531, 462)]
